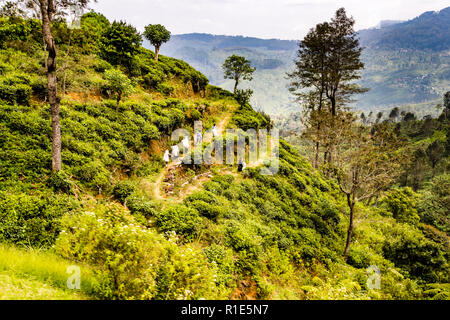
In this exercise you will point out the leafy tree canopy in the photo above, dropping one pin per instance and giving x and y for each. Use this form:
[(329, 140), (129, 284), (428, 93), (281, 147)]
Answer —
[(157, 35), (118, 83), (120, 43), (237, 68)]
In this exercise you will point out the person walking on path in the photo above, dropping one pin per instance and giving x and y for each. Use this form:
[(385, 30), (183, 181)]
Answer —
[(175, 152), (241, 165), (214, 131), (166, 157), (186, 145), (198, 137)]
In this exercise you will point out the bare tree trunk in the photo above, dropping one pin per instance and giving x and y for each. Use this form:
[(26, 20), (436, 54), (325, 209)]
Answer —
[(316, 160), (330, 154), (405, 182), (332, 148), (351, 205), (235, 86), (157, 53), (47, 8), (45, 53), (119, 97)]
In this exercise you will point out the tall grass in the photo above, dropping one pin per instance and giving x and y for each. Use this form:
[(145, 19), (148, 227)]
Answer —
[(36, 266)]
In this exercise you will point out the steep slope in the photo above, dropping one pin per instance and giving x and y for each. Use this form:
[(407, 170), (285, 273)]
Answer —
[(233, 235)]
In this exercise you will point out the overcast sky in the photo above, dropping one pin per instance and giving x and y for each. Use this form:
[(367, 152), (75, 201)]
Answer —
[(283, 19)]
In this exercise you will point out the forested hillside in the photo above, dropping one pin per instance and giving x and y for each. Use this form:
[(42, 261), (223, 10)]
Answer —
[(139, 228), (407, 64)]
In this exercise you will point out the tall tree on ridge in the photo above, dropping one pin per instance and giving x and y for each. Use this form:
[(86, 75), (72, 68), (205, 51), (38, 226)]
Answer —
[(237, 68), (311, 73), (157, 35), (344, 65), (119, 44), (329, 63)]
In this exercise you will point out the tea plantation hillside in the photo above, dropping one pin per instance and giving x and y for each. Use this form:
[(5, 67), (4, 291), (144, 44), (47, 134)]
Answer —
[(217, 234)]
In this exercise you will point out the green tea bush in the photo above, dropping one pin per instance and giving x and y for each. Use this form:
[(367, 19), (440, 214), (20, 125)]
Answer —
[(185, 221), (17, 29), (95, 175), (277, 264), (241, 238), (165, 89), (359, 257), (102, 66), (246, 118), (402, 204), (153, 79), (222, 257), (412, 252), (123, 189), (15, 94), (33, 220), (208, 210), (185, 274), (132, 262), (122, 252), (15, 88), (214, 92), (39, 87), (60, 182), (140, 206), (194, 115), (197, 80)]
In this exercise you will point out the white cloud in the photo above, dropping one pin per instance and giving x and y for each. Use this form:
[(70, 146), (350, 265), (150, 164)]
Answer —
[(284, 19)]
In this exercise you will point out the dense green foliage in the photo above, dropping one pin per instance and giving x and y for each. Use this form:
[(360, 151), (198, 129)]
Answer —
[(233, 235), (157, 35), (132, 261), (120, 43), (237, 68)]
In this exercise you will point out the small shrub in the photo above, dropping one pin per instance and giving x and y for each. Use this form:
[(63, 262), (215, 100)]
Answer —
[(141, 206), (15, 94), (165, 89), (132, 262), (184, 221), (153, 79), (402, 204), (123, 189), (207, 210), (33, 220), (122, 252), (60, 181), (418, 256)]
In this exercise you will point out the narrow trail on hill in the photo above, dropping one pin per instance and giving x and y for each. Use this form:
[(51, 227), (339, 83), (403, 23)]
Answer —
[(195, 184), (199, 180)]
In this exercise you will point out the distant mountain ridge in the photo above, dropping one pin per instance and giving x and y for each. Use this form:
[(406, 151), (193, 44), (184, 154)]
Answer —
[(387, 23), (223, 41), (406, 62), (429, 31)]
